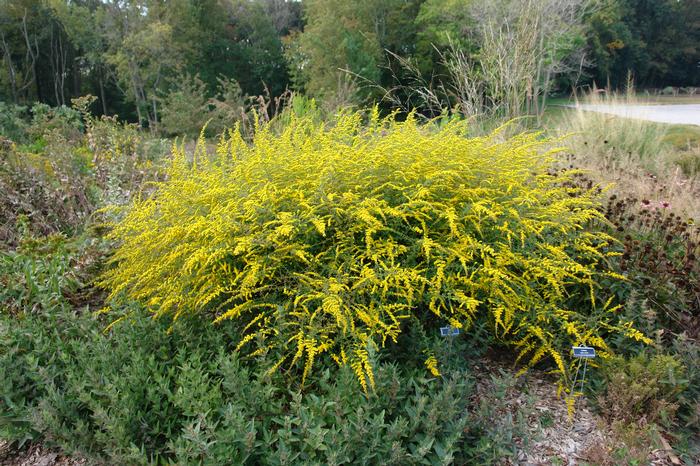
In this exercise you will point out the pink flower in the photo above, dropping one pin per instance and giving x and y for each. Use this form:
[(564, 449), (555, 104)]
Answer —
[(665, 204)]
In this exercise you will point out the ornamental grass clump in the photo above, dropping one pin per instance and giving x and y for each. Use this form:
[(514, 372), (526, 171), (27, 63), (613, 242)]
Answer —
[(323, 240)]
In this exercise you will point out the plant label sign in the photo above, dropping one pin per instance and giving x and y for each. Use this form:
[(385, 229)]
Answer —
[(585, 352), (449, 331)]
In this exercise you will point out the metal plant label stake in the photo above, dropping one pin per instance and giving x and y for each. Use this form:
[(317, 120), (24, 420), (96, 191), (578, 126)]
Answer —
[(582, 353), (450, 332)]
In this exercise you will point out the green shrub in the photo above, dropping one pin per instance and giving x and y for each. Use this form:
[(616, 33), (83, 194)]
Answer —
[(26, 125), (14, 120), (50, 273), (35, 277), (123, 158), (52, 189), (228, 106), (64, 120), (184, 110), (153, 391), (59, 179), (642, 386), (649, 397), (688, 352), (321, 242)]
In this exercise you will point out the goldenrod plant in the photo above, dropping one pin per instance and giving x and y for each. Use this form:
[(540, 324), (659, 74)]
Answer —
[(322, 240)]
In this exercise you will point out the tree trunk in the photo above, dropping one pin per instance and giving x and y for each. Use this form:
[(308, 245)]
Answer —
[(10, 68), (139, 95), (154, 122), (63, 56), (31, 54), (76, 73), (103, 97), (39, 97), (54, 60)]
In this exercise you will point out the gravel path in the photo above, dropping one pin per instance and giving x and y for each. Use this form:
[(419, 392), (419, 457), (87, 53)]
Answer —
[(554, 438), (682, 114)]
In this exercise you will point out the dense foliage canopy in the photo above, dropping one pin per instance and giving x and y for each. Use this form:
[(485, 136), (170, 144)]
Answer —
[(132, 54)]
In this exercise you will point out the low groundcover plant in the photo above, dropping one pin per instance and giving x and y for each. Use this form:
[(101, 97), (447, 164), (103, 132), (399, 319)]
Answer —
[(322, 240)]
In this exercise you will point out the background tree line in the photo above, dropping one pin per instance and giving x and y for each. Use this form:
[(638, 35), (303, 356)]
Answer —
[(148, 59)]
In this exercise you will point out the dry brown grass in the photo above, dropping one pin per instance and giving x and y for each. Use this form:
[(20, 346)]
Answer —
[(641, 159)]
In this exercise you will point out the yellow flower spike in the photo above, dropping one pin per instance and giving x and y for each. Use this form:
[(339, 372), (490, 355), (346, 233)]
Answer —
[(431, 363)]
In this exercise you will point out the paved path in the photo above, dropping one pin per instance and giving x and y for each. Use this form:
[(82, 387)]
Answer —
[(682, 114)]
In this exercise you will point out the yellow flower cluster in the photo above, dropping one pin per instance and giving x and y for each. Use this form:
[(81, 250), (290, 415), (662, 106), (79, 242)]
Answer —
[(321, 240)]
